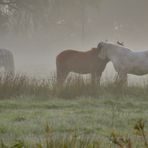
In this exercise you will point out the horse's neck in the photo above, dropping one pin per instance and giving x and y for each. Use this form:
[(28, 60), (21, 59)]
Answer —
[(117, 53), (112, 51)]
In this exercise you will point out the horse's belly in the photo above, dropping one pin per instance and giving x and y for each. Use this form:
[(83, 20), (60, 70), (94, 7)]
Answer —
[(83, 69), (138, 71)]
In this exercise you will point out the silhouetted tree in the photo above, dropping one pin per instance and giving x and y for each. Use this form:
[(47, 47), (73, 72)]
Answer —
[(34, 15)]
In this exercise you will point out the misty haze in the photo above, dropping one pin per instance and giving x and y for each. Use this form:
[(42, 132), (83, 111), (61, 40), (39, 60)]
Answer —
[(35, 46), (103, 44)]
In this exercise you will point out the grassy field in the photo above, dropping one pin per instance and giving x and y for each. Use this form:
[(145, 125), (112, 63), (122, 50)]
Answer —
[(78, 115)]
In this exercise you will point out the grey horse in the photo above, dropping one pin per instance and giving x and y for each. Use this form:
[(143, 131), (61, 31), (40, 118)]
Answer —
[(125, 61), (7, 61)]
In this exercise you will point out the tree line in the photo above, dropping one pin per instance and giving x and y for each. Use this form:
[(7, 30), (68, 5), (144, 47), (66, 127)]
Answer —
[(28, 16)]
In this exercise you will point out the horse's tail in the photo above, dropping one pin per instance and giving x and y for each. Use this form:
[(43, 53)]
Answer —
[(58, 69), (61, 70)]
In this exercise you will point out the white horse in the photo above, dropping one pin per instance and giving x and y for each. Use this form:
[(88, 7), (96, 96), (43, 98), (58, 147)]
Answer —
[(125, 61)]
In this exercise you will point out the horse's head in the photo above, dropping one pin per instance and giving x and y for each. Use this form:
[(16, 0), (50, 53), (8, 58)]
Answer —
[(102, 51)]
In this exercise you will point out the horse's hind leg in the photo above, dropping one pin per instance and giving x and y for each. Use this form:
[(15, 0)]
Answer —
[(93, 78), (61, 77)]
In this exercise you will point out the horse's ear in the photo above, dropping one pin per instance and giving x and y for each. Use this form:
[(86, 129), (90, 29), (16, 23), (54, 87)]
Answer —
[(120, 43)]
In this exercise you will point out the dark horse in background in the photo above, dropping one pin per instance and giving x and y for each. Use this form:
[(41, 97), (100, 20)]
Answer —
[(7, 61), (80, 62)]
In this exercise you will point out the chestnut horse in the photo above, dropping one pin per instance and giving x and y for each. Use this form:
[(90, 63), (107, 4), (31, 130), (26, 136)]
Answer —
[(80, 62)]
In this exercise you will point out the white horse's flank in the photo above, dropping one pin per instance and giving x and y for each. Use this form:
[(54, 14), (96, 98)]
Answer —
[(125, 61)]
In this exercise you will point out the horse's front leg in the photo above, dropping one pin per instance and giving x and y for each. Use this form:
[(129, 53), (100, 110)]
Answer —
[(98, 78), (61, 77), (122, 79), (95, 78)]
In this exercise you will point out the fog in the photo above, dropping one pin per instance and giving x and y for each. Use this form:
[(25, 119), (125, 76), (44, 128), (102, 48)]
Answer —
[(111, 20)]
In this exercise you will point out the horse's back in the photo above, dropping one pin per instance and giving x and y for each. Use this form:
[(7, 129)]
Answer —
[(79, 61), (7, 60), (66, 54), (142, 52), (73, 55), (4, 52)]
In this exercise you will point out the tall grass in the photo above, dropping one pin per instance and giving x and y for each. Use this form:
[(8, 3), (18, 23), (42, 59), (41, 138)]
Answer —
[(75, 87), (21, 85)]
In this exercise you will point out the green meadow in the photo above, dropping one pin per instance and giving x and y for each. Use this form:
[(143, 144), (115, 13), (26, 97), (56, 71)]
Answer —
[(35, 113)]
